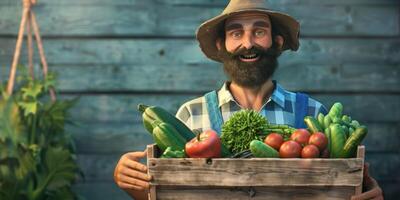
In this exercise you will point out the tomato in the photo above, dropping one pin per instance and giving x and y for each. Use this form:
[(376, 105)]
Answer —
[(205, 145), (290, 149), (310, 151), (318, 139), (301, 136), (274, 140)]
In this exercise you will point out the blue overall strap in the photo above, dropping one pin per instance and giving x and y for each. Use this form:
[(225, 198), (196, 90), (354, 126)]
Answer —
[(214, 113), (301, 110)]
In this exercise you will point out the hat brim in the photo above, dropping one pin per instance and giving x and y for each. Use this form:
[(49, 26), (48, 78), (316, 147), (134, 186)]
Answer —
[(285, 25)]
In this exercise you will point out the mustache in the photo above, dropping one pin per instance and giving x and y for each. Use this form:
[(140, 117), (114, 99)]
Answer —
[(256, 49)]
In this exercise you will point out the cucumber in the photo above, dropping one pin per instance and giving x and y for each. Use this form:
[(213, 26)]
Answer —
[(328, 136), (152, 113), (336, 110), (320, 119), (338, 140), (327, 121), (346, 119), (165, 135), (350, 147), (261, 150), (312, 124)]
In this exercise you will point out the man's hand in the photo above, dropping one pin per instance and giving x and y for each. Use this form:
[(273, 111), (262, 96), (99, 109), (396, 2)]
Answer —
[(370, 187), (131, 175)]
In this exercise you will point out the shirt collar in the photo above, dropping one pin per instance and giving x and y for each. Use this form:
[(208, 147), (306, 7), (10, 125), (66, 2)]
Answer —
[(278, 95)]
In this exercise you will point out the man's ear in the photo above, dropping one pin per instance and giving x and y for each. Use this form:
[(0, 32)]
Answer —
[(279, 40), (218, 43)]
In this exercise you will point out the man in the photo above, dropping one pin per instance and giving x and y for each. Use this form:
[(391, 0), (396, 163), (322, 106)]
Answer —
[(247, 38)]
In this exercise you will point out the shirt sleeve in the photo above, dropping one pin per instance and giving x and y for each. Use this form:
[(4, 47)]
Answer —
[(315, 107)]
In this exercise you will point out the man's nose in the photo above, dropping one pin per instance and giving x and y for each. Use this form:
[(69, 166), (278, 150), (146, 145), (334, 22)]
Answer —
[(248, 41)]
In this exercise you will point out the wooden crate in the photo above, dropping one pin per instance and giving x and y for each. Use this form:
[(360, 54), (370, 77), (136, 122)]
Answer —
[(254, 178)]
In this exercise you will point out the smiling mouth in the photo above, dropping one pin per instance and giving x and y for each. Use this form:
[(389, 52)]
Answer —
[(249, 57)]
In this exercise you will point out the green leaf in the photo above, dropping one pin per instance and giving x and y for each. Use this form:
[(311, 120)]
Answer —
[(59, 171), (29, 107), (33, 90)]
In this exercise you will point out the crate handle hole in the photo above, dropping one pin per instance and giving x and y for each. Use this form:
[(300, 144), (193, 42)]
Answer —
[(209, 161)]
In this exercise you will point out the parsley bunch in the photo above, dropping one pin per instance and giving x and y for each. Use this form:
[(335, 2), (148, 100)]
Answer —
[(241, 128)]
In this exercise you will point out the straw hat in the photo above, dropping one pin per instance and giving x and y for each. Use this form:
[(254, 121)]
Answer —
[(284, 24)]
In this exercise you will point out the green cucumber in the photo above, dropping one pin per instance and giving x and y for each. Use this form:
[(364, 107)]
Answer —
[(312, 124), (327, 121), (165, 135), (151, 113), (338, 140), (320, 119), (350, 147), (328, 136), (261, 150), (336, 110)]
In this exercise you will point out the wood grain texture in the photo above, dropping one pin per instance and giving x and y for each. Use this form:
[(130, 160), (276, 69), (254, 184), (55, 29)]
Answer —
[(108, 190), (155, 18), (256, 193), (164, 65), (228, 178), (256, 172), (99, 167)]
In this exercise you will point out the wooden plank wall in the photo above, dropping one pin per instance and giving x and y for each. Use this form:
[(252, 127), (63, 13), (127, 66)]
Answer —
[(116, 54)]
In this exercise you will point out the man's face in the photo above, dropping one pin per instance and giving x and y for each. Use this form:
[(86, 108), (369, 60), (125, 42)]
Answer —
[(249, 53)]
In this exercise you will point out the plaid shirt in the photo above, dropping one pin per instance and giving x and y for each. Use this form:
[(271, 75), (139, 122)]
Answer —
[(278, 109)]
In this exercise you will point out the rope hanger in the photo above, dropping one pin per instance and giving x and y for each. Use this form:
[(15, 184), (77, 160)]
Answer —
[(28, 20)]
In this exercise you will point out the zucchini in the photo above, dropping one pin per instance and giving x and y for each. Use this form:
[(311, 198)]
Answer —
[(152, 113), (312, 124), (261, 150), (338, 140), (165, 135), (350, 148)]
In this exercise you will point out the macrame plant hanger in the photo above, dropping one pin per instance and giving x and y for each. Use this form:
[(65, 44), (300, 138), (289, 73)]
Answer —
[(28, 20)]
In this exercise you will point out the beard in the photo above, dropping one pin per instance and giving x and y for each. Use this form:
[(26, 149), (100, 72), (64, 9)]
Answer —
[(250, 74)]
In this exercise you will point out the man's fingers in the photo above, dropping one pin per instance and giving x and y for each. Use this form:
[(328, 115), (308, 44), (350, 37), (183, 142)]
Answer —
[(135, 182), (130, 186), (135, 165), (135, 174), (136, 155)]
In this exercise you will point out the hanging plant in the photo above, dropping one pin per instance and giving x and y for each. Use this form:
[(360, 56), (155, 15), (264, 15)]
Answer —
[(37, 156)]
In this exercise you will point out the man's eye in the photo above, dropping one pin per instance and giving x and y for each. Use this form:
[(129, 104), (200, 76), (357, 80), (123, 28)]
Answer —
[(260, 33), (236, 34)]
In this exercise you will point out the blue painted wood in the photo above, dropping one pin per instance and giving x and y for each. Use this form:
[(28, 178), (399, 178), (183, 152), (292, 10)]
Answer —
[(154, 65), (160, 18)]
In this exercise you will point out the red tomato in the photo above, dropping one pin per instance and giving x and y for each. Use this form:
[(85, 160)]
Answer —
[(290, 149), (274, 140), (318, 139), (310, 151), (205, 145), (301, 136)]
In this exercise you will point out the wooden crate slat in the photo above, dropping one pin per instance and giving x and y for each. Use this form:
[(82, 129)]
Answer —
[(260, 193), (256, 172)]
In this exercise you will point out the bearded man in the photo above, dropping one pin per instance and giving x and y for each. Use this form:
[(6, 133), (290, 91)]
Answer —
[(247, 38)]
